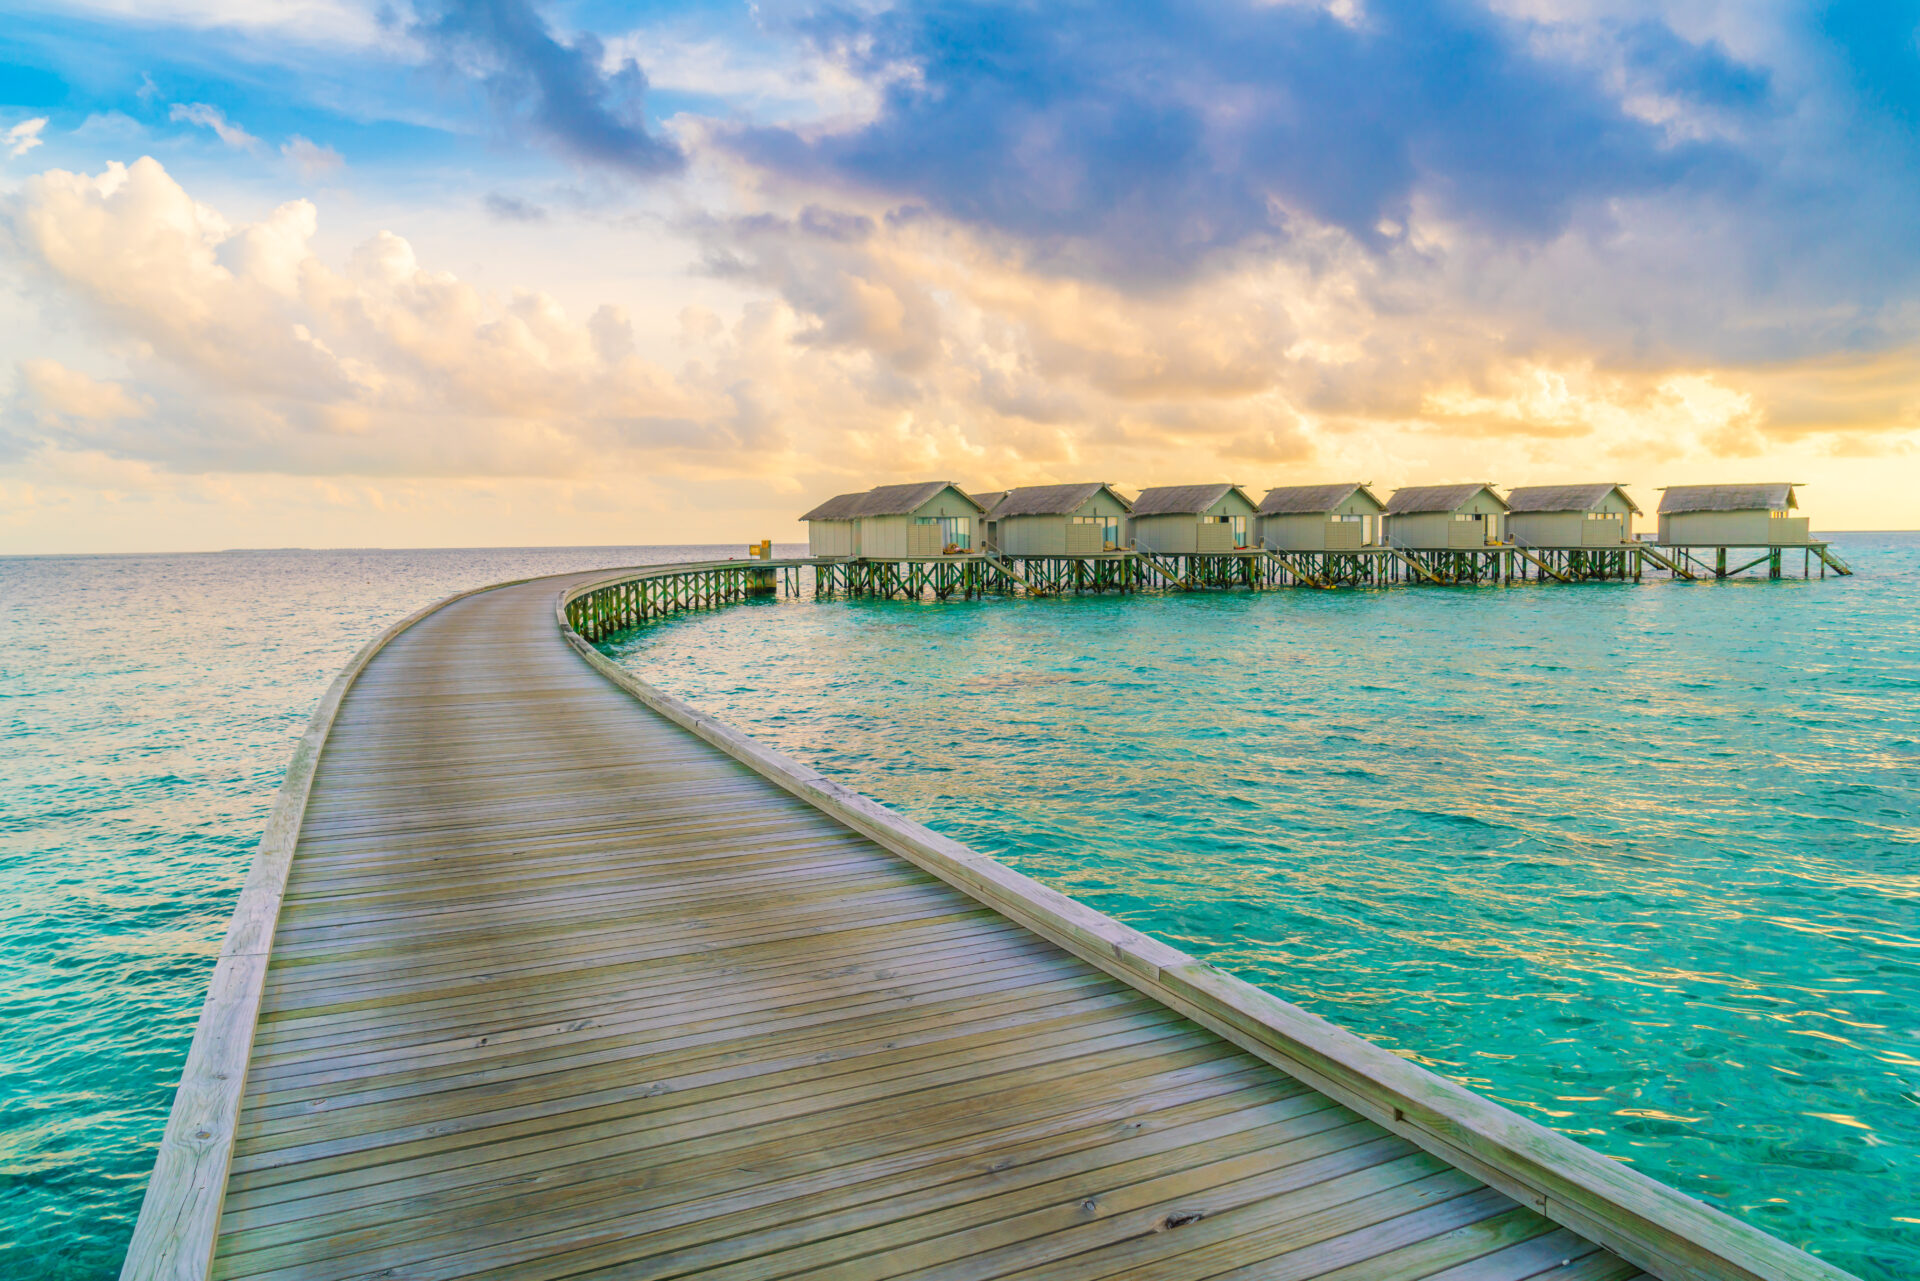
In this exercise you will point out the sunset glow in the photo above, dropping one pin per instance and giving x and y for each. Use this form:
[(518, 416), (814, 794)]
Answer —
[(325, 273)]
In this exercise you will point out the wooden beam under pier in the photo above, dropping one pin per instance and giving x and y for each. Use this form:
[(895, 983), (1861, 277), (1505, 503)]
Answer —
[(1661, 559), (1538, 563), (1418, 567), (1292, 567), (1013, 574)]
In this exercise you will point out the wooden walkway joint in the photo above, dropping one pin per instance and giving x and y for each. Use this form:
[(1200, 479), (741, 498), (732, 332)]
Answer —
[(542, 973)]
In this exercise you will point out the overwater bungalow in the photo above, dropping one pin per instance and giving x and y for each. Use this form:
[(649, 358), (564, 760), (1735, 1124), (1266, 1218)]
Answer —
[(931, 518), (1061, 520), (1446, 517), (1571, 516), (1731, 516), (1190, 519), (1320, 518)]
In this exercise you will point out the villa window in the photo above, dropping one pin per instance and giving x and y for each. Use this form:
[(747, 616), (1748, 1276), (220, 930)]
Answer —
[(1110, 536), (955, 531)]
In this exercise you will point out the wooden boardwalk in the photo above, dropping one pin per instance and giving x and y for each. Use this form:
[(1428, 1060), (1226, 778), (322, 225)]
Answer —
[(561, 989)]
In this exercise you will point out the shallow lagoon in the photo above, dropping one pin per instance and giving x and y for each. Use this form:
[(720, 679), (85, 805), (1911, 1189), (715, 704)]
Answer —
[(148, 705), (1642, 862)]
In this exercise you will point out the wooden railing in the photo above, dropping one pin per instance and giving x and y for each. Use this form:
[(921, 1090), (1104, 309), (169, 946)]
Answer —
[(661, 590)]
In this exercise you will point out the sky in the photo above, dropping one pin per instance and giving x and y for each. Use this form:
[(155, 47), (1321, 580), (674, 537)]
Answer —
[(508, 272)]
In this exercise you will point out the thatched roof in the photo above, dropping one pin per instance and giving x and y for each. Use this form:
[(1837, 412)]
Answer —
[(1050, 500), (1307, 500), (989, 500), (839, 507), (885, 500), (1728, 498), (1565, 498), (1435, 498), (1183, 500)]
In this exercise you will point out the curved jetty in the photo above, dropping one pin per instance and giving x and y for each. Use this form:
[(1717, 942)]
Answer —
[(540, 973)]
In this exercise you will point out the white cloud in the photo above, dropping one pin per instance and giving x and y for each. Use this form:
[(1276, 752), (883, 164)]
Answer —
[(311, 158), (322, 22), (788, 84), (199, 113), (56, 389), (23, 137), (260, 356)]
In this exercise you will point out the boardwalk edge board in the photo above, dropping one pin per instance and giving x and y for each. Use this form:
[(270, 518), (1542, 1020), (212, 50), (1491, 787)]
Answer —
[(174, 1237), (1656, 1227)]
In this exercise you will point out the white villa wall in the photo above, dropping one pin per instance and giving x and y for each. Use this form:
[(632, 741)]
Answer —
[(1294, 532), (831, 538), (1033, 535), (1547, 529), (884, 537), (1440, 531), (1421, 529), (1319, 532), (1172, 535), (1753, 528)]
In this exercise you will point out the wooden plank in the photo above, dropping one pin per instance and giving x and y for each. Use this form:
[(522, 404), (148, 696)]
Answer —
[(1128, 1237), (642, 1114), (823, 1029), (478, 1015), (558, 1232), (494, 1094), (323, 1055), (1546, 1254), (1350, 1235), (706, 1178)]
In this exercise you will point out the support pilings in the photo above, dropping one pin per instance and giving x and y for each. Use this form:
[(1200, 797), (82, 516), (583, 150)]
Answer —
[(1694, 562), (675, 589)]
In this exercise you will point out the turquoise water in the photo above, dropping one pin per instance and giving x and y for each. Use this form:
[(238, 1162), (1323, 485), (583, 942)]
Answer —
[(1642, 862), (148, 705)]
